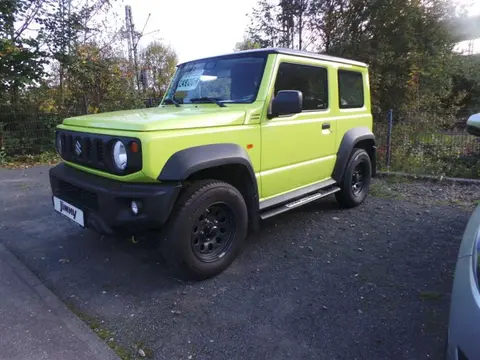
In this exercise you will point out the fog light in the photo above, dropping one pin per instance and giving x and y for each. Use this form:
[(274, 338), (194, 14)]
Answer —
[(135, 207)]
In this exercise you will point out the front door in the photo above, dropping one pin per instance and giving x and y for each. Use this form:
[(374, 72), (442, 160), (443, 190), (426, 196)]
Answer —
[(298, 150)]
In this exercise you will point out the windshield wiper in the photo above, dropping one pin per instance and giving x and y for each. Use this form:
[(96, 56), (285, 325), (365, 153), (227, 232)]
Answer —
[(208, 99), (172, 100)]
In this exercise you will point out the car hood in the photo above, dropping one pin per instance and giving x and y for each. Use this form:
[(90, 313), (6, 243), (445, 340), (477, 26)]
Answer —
[(161, 118)]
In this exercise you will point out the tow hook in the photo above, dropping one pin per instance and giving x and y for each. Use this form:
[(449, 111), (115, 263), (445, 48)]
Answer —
[(135, 240)]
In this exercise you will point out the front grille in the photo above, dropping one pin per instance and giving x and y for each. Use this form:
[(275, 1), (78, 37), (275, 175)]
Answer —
[(77, 196), (95, 151), (84, 149)]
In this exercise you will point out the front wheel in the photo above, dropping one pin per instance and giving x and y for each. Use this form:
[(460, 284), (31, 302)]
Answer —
[(207, 229), (356, 180)]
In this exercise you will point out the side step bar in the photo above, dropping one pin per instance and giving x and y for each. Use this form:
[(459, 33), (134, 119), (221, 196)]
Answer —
[(299, 202)]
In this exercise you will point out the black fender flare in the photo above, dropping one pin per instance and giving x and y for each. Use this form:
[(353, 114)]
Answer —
[(351, 138), (188, 161)]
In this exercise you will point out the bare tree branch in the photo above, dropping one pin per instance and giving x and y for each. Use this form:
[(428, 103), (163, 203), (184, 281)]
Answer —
[(29, 18)]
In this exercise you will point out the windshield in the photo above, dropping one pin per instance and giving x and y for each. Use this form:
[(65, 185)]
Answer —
[(234, 79)]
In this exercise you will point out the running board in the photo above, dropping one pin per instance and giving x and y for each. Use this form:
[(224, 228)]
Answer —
[(299, 202)]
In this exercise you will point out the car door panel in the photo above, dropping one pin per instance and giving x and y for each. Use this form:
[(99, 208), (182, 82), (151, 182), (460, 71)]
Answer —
[(294, 153), (298, 150)]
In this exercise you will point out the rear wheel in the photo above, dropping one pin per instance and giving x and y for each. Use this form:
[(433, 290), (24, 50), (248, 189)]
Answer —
[(207, 229), (356, 180)]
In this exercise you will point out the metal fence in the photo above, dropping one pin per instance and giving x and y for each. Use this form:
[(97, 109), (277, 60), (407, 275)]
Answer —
[(427, 143), (410, 141), (31, 132)]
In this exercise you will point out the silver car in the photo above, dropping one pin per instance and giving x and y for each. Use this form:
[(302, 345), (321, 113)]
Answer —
[(464, 323)]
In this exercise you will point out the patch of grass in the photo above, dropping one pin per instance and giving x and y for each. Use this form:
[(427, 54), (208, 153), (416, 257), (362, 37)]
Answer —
[(123, 353), (102, 332), (430, 295), (19, 161)]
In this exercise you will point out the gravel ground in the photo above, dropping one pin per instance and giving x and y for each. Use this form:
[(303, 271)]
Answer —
[(427, 192), (315, 283)]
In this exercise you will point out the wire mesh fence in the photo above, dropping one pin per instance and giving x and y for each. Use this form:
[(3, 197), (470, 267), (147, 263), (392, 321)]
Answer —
[(410, 141), (22, 134), (428, 143), (31, 132)]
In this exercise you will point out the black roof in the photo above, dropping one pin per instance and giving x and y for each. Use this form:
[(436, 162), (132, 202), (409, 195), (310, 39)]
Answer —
[(293, 52)]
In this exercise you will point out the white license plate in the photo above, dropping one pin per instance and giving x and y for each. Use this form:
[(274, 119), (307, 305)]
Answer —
[(69, 211)]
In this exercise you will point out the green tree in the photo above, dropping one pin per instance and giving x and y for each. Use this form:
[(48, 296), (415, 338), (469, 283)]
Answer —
[(158, 61), (97, 81), (466, 83), (279, 24), (246, 44), (65, 27), (408, 44), (21, 60)]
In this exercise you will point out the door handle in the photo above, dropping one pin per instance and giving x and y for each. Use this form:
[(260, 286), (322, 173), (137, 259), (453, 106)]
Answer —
[(325, 126)]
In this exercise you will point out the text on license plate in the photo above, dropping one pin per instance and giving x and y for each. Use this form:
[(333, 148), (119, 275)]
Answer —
[(68, 210)]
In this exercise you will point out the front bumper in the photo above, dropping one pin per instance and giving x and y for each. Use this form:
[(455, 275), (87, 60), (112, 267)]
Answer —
[(106, 203)]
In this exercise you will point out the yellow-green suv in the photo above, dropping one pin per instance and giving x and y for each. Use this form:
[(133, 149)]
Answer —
[(237, 138)]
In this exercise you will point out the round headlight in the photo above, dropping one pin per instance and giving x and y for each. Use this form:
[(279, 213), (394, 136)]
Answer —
[(120, 155)]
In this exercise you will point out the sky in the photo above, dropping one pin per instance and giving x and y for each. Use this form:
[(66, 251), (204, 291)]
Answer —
[(201, 28), (194, 28)]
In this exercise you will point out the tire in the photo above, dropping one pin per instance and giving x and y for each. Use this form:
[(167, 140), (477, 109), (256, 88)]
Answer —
[(206, 231), (349, 197)]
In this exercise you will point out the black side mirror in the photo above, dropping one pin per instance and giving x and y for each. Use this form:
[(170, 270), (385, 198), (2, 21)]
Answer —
[(287, 102)]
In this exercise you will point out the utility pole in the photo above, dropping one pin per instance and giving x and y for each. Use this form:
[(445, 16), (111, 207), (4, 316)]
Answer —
[(133, 39), (69, 24), (132, 49), (128, 26)]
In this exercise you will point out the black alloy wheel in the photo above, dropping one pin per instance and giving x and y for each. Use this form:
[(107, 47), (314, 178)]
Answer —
[(358, 178), (213, 232)]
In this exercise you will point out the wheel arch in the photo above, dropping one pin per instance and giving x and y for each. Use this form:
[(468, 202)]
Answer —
[(360, 137), (226, 162)]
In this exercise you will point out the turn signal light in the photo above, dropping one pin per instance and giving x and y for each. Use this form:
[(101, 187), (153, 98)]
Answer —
[(134, 147)]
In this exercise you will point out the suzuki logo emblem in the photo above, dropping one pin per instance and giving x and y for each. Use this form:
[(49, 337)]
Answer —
[(78, 148)]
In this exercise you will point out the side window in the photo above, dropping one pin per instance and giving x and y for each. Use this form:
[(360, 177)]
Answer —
[(310, 80), (350, 89)]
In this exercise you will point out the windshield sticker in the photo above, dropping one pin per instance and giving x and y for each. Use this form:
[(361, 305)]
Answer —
[(189, 81)]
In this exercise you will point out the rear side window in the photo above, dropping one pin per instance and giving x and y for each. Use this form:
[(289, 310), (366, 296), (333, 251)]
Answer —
[(312, 81), (350, 84)]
